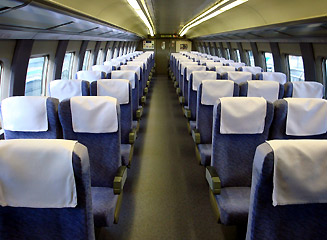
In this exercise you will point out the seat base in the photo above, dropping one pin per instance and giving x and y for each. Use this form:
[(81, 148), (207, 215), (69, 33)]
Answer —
[(205, 154)]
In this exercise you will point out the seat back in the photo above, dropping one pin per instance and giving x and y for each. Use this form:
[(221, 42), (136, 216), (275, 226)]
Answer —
[(253, 70), (269, 90), (211, 66), (182, 72), (90, 76), (62, 89), (142, 73), (272, 76), (208, 94), (138, 71), (30, 117), (304, 90), (237, 76), (102, 68), (189, 69), (59, 204), (293, 220), (223, 69), (122, 90), (94, 122), (236, 64), (240, 125)]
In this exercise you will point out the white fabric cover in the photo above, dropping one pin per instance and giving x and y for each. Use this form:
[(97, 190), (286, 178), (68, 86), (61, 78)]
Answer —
[(253, 70), (25, 113), (37, 173), (212, 90), (274, 76), (142, 61), (308, 90), (223, 69), (93, 114), (116, 88), (299, 171), (185, 64), (239, 77), (190, 69), (132, 63), (205, 61), (62, 89), (198, 76), (137, 69), (306, 116), (89, 76), (269, 90), (102, 68), (242, 115), (237, 64), (226, 61), (125, 74), (213, 65), (108, 63)]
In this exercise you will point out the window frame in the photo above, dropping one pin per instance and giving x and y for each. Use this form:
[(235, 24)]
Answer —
[(87, 63), (100, 57), (249, 58), (44, 73), (237, 54), (289, 67), (109, 54), (266, 66), (71, 65), (228, 56), (1, 72)]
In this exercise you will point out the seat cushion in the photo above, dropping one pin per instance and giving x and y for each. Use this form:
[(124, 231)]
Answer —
[(103, 206), (125, 150), (205, 153), (192, 125), (233, 204)]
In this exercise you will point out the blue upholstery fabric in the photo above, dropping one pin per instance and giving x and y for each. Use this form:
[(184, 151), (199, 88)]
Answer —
[(125, 150), (192, 125), (104, 148), (184, 88), (288, 92), (54, 127), (302, 221), (244, 90), (125, 114), (54, 223), (205, 151), (278, 126), (234, 205)]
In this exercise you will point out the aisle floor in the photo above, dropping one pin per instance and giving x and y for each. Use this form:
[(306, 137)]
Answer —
[(166, 194)]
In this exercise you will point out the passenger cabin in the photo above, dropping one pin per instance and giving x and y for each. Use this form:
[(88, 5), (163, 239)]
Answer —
[(154, 119)]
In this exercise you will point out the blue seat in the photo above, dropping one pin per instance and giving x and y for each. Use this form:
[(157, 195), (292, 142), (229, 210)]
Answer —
[(138, 71), (272, 76), (240, 125), (34, 217), (181, 74), (222, 69), (254, 70), (62, 89), (237, 76), (94, 122), (30, 117), (270, 90), (211, 66), (106, 68), (90, 76), (304, 90), (142, 74), (298, 219)]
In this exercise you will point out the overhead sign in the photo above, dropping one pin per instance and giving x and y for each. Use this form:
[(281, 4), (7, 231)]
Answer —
[(148, 44)]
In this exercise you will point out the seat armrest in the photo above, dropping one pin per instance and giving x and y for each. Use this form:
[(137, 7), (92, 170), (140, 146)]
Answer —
[(139, 113), (132, 136), (213, 180), (187, 113), (196, 136), (120, 179)]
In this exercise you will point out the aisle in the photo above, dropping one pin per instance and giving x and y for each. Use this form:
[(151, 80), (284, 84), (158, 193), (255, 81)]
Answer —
[(166, 195)]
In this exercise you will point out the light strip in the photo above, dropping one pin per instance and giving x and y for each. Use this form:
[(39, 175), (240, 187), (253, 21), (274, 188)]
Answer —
[(196, 22), (141, 14), (148, 14)]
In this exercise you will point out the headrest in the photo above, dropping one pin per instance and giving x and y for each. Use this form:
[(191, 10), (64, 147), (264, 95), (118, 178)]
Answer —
[(198, 76), (236, 64), (299, 171), (143, 62), (223, 69), (306, 116), (184, 64), (242, 115), (116, 88), (213, 65), (239, 77), (308, 90), (108, 63), (37, 173), (62, 89), (132, 63), (226, 61), (135, 68), (102, 68), (25, 113), (124, 74), (274, 76), (269, 90), (212, 90), (90, 76), (190, 69), (92, 114), (204, 61), (253, 70)]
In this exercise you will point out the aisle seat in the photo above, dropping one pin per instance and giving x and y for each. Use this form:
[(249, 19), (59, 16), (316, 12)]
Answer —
[(272, 76), (307, 89), (62, 89)]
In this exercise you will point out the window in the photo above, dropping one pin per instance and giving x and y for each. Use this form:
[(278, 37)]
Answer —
[(100, 57), (220, 54), (86, 60), (251, 58), (227, 53), (237, 55), (269, 62), (296, 69), (67, 66), (108, 57), (115, 53), (1, 67), (36, 75)]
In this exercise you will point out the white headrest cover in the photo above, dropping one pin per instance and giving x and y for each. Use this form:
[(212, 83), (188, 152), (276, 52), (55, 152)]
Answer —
[(185, 64), (308, 90), (226, 61), (132, 63), (62, 89), (190, 69), (102, 68), (237, 64), (253, 70), (306, 116), (204, 61), (212, 90), (299, 171), (93, 114), (239, 77), (269, 90), (89, 75), (108, 63), (116, 88), (137, 69), (37, 173), (143, 62), (26, 114), (198, 76), (274, 76), (124, 74), (223, 69), (242, 115), (213, 65)]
